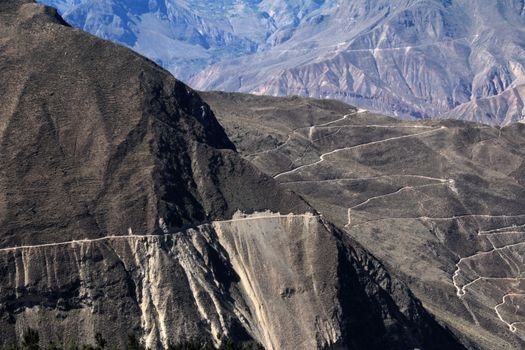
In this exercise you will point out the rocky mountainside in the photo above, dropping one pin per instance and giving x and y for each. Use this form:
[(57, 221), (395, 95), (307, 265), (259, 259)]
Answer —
[(188, 36), (406, 58), (439, 202), (125, 208)]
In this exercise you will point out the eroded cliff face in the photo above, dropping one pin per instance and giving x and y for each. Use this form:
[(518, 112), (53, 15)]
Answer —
[(285, 281), (257, 277)]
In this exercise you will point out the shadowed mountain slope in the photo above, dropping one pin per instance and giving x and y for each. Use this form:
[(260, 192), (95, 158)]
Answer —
[(93, 145)]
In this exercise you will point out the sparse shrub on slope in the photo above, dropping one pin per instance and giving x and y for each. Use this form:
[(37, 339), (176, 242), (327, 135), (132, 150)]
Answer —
[(31, 341)]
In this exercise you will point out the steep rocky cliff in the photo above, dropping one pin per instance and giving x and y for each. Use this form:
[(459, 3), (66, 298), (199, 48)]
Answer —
[(124, 208), (285, 281)]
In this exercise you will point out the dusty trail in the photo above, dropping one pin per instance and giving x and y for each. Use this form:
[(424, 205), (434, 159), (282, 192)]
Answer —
[(256, 216), (461, 290), (367, 179), (344, 46), (324, 155), (402, 189), (512, 326), (458, 280), (294, 131)]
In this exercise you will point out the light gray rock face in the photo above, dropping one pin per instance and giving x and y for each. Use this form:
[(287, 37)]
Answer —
[(405, 58), (248, 277), (440, 202), (121, 202)]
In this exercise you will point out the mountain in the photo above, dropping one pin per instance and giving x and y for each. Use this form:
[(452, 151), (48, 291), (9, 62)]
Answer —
[(182, 36), (125, 209), (438, 202), (406, 58)]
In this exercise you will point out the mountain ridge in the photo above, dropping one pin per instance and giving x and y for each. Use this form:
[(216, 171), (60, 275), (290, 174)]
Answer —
[(410, 59)]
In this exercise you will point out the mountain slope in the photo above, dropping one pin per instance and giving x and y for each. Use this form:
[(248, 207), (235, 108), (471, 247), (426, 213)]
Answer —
[(405, 58), (124, 208), (439, 202), (97, 145)]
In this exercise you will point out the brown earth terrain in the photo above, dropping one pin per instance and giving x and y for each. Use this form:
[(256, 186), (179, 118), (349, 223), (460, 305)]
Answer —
[(439, 202)]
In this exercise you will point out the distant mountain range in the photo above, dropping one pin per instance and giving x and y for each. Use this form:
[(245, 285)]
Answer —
[(406, 58)]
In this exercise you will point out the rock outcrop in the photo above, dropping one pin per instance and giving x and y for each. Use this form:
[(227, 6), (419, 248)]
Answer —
[(286, 281)]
